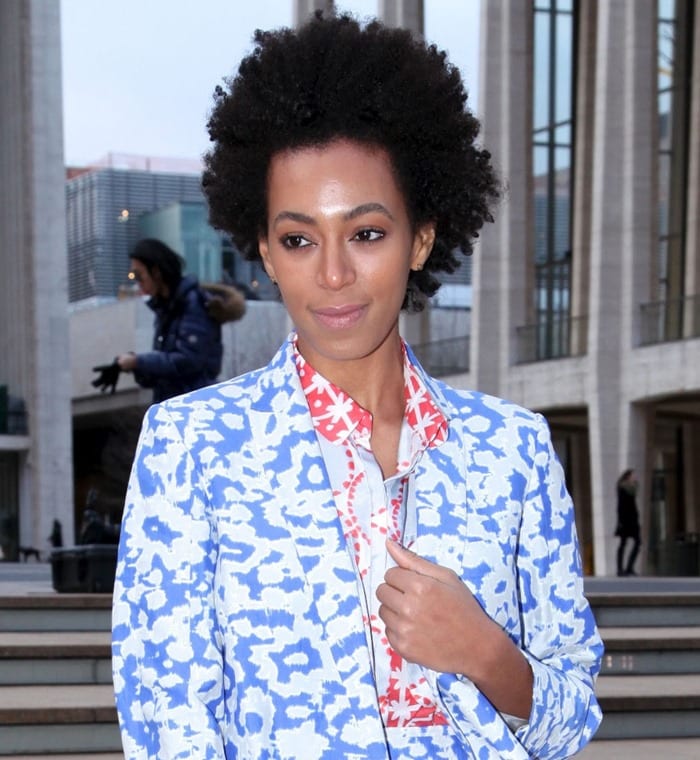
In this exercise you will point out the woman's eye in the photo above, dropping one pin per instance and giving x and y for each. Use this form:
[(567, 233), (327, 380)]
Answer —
[(295, 241), (369, 235)]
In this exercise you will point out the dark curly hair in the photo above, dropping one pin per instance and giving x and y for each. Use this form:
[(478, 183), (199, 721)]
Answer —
[(155, 254), (333, 78)]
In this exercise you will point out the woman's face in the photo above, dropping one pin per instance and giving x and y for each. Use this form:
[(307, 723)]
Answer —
[(340, 246), (148, 284)]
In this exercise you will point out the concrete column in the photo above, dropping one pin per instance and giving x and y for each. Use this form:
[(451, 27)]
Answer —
[(502, 270), (416, 328), (692, 251), (622, 241), (583, 158), (638, 422), (304, 8), (404, 13), (33, 289)]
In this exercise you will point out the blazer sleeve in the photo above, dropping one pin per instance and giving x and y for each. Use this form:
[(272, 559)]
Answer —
[(559, 634), (166, 648), (555, 628)]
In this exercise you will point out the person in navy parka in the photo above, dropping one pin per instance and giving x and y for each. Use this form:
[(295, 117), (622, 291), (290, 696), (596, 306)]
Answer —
[(187, 349)]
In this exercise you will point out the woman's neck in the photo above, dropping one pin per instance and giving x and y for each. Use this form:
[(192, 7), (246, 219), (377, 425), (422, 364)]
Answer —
[(375, 382)]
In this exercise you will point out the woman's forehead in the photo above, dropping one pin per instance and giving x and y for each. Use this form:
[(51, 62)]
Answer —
[(341, 161)]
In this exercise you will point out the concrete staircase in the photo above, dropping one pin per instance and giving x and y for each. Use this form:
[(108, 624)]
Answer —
[(56, 696), (55, 682), (649, 686)]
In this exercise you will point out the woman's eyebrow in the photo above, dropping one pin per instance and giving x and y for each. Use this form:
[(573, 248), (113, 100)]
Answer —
[(367, 208), (293, 216)]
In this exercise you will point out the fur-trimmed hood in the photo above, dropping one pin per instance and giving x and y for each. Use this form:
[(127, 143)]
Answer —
[(225, 303)]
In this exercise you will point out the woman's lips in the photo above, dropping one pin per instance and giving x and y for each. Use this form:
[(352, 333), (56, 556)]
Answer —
[(339, 317)]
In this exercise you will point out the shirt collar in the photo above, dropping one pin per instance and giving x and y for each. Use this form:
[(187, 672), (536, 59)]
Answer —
[(336, 416)]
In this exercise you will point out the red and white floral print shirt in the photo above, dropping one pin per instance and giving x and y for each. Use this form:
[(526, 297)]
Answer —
[(372, 509)]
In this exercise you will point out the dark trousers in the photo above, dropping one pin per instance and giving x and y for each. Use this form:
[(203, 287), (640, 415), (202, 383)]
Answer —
[(628, 567)]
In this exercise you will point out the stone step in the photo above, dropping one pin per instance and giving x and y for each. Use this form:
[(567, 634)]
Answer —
[(83, 718), (649, 706), (671, 649), (56, 612), (49, 657), (81, 756), (645, 609), (643, 749), (58, 719)]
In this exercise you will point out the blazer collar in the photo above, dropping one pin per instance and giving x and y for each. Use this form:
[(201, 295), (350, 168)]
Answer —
[(300, 475)]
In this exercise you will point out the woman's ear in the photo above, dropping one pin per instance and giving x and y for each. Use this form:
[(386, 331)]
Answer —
[(265, 256), (423, 242)]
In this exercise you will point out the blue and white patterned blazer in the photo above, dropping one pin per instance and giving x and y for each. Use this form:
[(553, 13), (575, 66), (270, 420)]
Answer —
[(237, 626)]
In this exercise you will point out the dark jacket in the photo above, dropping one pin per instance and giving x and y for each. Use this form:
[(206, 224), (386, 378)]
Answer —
[(627, 514), (187, 349)]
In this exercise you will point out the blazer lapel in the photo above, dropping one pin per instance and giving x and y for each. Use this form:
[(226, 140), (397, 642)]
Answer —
[(291, 456), (441, 507)]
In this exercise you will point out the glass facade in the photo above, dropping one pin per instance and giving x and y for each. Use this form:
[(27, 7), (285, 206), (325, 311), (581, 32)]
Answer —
[(208, 254), (184, 227), (554, 56), (109, 210), (103, 210), (674, 46)]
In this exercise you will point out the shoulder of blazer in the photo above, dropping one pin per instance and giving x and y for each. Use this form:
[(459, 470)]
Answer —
[(255, 388), (216, 423), (466, 404)]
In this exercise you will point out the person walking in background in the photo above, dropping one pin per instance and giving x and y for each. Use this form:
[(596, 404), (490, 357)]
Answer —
[(56, 535), (337, 555), (627, 522), (187, 349)]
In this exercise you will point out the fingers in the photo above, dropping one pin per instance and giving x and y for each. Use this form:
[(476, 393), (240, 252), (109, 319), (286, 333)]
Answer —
[(390, 603), (408, 560)]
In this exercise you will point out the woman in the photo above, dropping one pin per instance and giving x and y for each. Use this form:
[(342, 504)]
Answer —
[(627, 522), (187, 349), (338, 556)]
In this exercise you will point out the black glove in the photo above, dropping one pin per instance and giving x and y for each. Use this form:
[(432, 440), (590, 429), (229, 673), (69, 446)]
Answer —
[(108, 377)]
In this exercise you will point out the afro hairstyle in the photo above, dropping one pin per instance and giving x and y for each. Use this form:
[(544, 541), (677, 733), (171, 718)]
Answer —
[(334, 78)]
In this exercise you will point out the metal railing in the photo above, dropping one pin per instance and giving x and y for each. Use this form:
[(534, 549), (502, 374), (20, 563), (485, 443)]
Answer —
[(557, 338), (664, 321), (444, 357)]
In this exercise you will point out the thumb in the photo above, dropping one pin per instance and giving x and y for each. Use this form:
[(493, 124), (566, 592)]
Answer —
[(409, 560)]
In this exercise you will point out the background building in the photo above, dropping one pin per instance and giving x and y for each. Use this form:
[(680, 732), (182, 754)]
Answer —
[(588, 284), (586, 290), (36, 484), (110, 208)]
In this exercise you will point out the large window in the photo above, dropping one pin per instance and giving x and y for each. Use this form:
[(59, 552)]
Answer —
[(674, 49), (554, 59)]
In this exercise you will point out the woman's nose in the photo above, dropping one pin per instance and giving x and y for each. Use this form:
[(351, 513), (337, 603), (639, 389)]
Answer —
[(335, 269)]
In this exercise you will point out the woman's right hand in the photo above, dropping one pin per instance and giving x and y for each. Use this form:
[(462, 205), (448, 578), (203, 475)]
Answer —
[(127, 362)]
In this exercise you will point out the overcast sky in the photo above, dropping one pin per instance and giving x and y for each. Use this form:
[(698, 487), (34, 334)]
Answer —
[(138, 75)]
